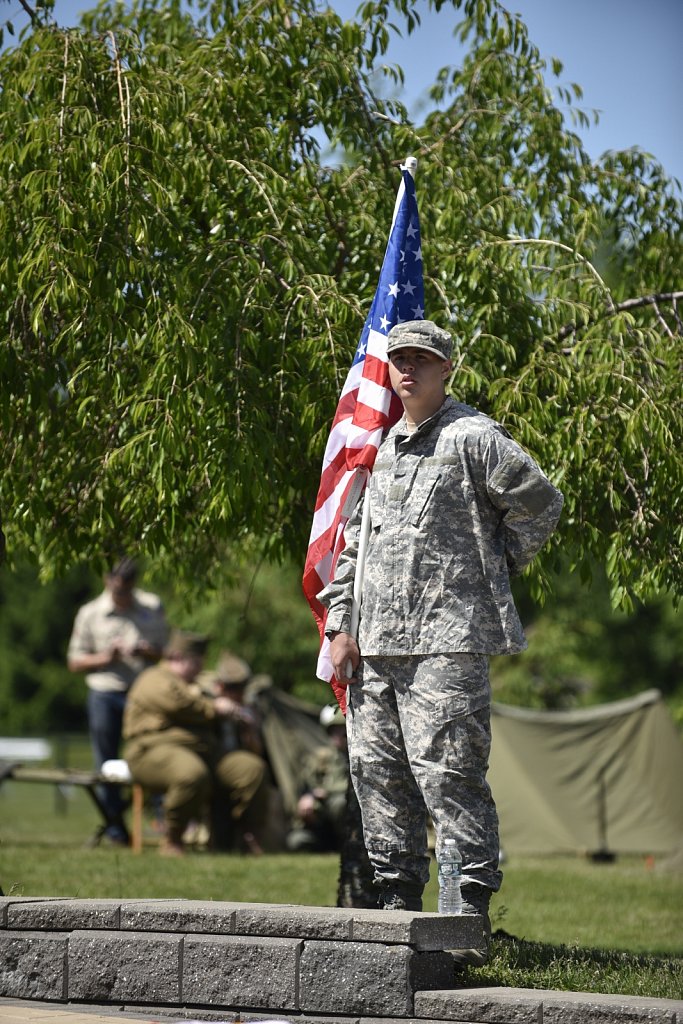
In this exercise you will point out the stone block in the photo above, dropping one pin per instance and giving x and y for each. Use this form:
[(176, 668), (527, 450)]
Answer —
[(532, 1006), (484, 1005), (178, 916), (356, 978), (119, 967), (10, 901), (381, 1020), (33, 965), (423, 931), (315, 1019), (432, 970), (258, 972), (307, 1019), (63, 915), (592, 1008), (293, 922)]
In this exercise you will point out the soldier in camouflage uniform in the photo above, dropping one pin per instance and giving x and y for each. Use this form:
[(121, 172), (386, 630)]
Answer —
[(456, 508), (321, 807)]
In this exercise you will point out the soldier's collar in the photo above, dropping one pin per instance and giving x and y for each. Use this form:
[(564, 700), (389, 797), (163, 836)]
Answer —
[(401, 427)]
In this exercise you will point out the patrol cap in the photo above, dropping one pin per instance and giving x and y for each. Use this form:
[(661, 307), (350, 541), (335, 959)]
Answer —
[(183, 644), (231, 670), (332, 714), (420, 334)]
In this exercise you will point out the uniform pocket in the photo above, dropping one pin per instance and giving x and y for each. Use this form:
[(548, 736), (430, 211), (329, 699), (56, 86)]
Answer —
[(423, 504), (452, 686), (437, 490)]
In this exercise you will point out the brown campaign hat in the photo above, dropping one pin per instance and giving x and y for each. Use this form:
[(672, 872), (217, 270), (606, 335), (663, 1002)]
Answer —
[(183, 643), (231, 670)]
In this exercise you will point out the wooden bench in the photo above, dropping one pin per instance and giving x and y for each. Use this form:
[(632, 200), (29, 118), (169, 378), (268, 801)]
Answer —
[(16, 771)]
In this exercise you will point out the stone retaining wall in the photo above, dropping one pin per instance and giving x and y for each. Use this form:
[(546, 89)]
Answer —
[(311, 965)]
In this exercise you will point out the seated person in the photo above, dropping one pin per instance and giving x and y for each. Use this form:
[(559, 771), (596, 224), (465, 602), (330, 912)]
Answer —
[(321, 809), (241, 728), (172, 745), (239, 735)]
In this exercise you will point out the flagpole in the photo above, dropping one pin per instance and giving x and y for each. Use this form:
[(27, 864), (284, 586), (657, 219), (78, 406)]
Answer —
[(409, 165), (360, 567), (367, 408)]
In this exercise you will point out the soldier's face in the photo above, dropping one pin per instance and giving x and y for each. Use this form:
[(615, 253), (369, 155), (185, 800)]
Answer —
[(233, 690), (189, 666), (417, 374), (337, 735)]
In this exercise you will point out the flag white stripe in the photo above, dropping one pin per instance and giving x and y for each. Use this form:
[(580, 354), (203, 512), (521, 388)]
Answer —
[(365, 406), (324, 516)]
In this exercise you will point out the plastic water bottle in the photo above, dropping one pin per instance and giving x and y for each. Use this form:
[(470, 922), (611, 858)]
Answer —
[(450, 876)]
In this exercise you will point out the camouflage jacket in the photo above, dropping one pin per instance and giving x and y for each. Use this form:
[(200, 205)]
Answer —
[(456, 508)]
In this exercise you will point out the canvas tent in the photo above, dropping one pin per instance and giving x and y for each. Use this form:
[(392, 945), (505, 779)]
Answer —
[(291, 731), (601, 779)]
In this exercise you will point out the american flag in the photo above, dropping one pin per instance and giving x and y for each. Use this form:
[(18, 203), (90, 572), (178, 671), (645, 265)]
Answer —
[(367, 407)]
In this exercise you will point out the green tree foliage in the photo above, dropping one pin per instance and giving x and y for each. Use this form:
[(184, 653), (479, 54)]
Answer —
[(37, 692), (184, 279), (582, 651)]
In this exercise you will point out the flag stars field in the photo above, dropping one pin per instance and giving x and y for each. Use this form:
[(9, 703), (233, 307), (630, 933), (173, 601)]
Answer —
[(367, 407)]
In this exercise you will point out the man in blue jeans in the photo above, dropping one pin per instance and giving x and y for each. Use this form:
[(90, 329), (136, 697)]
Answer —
[(114, 638)]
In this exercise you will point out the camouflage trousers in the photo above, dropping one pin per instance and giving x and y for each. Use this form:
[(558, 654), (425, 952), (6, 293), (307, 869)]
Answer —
[(419, 732)]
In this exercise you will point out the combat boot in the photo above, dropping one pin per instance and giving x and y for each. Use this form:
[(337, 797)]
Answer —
[(397, 896), (475, 900), (172, 843)]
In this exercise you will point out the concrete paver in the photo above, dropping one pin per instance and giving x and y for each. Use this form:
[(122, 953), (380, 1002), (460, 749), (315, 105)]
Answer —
[(42, 1014), (12, 1012), (35, 1015)]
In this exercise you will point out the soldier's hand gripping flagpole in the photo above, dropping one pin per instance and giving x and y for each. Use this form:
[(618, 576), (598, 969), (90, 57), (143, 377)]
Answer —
[(367, 408)]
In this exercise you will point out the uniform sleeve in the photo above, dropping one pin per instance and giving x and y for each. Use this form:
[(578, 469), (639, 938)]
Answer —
[(337, 596), (185, 705), (158, 700), (530, 504)]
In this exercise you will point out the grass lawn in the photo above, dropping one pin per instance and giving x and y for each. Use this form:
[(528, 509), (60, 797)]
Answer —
[(562, 923)]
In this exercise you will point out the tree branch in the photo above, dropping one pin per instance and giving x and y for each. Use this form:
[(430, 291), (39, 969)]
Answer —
[(124, 103), (29, 10), (622, 307), (553, 243)]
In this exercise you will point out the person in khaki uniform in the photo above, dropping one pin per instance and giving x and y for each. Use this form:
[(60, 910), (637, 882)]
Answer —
[(239, 735), (172, 743)]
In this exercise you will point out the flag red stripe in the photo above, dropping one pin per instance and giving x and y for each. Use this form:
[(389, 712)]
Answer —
[(366, 407)]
